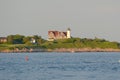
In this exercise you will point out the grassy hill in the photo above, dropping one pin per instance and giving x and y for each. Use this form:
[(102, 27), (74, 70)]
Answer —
[(81, 43), (24, 43)]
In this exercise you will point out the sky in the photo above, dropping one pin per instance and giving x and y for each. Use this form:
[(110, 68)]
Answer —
[(85, 18)]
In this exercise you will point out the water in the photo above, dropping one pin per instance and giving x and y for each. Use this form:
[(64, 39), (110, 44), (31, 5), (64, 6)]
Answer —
[(60, 66)]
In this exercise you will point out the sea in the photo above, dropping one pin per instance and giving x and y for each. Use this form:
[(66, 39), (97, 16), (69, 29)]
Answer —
[(60, 66)]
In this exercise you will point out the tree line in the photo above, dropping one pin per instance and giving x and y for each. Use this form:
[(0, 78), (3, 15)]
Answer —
[(37, 41), (82, 43), (21, 39)]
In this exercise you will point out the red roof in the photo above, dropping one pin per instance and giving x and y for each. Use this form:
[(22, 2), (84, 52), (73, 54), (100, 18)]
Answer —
[(57, 33)]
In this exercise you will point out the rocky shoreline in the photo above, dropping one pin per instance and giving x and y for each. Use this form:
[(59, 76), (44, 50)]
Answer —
[(72, 50), (87, 50)]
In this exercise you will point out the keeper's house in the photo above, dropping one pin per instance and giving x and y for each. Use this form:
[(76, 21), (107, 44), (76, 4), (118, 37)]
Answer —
[(53, 35)]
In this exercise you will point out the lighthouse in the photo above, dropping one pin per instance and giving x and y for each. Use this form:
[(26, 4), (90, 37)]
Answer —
[(68, 33)]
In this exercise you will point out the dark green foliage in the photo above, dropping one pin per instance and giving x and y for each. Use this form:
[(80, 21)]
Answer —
[(81, 43), (20, 39), (20, 42), (15, 39), (10, 39), (26, 40)]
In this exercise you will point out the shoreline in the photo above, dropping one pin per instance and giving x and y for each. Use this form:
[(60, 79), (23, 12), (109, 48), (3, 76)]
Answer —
[(87, 50), (71, 50)]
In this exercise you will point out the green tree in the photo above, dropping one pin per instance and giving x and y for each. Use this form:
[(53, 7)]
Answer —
[(26, 39), (39, 39), (15, 39), (10, 39), (18, 39)]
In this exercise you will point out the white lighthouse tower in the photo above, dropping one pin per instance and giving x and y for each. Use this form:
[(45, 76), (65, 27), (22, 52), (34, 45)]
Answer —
[(68, 33)]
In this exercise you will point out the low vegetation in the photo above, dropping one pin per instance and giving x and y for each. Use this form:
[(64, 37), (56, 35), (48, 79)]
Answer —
[(27, 42), (82, 43)]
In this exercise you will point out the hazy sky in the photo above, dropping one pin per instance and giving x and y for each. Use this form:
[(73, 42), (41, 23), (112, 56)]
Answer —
[(86, 18)]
